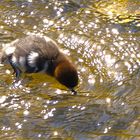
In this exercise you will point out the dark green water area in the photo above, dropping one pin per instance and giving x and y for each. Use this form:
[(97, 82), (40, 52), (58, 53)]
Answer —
[(102, 38)]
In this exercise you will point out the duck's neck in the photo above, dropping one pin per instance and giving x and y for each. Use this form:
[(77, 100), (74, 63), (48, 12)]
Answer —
[(53, 64)]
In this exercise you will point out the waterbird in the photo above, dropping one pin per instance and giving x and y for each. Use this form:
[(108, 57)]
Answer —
[(34, 53)]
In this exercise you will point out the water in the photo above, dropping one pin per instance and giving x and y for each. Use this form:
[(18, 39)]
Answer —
[(102, 39)]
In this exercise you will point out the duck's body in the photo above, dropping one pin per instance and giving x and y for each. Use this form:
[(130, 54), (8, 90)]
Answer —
[(34, 54)]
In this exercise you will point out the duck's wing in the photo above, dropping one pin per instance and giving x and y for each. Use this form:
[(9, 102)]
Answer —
[(32, 53)]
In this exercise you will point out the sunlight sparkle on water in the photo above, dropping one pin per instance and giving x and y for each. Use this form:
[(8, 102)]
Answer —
[(108, 100), (7, 71), (5, 128), (120, 83), (80, 60), (49, 114), (22, 21), (27, 105), (58, 13), (106, 130), (1, 27), (45, 20), (18, 125), (118, 76), (83, 108), (26, 113), (58, 91), (87, 12), (2, 99), (101, 80), (22, 13), (27, 90), (127, 64), (30, 0), (66, 51), (91, 79), (14, 106), (110, 13), (102, 41), (34, 27), (109, 61), (55, 133), (115, 31), (15, 20)]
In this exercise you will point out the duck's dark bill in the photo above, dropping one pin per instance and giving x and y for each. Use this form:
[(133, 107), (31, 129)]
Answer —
[(73, 91)]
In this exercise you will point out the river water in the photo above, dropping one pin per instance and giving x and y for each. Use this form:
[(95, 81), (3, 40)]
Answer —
[(102, 38)]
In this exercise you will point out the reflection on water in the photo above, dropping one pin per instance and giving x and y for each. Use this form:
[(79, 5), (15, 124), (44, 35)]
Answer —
[(102, 39)]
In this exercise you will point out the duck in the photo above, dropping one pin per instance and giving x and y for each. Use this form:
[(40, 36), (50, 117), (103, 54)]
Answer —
[(34, 54)]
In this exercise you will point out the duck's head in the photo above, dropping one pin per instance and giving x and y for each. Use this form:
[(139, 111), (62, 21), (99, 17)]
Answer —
[(66, 73)]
